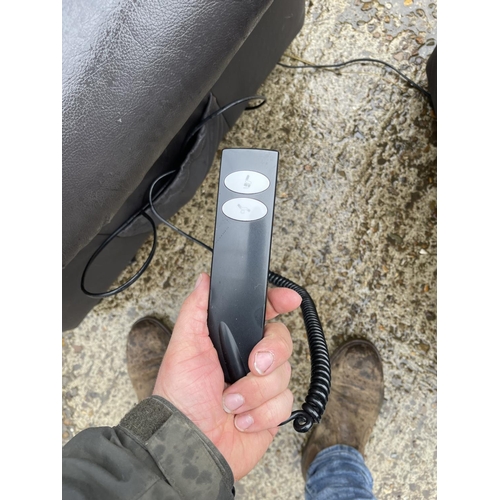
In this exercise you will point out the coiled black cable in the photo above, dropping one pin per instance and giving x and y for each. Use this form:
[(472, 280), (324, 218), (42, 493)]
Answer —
[(319, 387)]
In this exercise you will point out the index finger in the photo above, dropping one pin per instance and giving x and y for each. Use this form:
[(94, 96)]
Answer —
[(281, 301)]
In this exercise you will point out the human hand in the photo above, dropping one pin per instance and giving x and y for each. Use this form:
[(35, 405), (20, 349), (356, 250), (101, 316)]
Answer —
[(191, 378)]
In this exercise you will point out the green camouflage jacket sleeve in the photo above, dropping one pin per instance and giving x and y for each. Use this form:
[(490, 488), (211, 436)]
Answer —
[(154, 453)]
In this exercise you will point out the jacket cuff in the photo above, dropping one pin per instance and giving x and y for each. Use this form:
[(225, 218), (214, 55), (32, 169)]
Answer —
[(186, 457)]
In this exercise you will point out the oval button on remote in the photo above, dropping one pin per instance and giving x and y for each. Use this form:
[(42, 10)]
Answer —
[(244, 209), (246, 182)]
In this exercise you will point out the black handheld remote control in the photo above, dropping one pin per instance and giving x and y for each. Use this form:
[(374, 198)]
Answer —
[(240, 261)]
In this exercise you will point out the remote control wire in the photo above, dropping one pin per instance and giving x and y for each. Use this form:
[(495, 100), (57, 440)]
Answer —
[(361, 60), (107, 241), (169, 224), (149, 205)]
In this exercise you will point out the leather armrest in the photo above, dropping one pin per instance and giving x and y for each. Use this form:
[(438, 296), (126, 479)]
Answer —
[(133, 72)]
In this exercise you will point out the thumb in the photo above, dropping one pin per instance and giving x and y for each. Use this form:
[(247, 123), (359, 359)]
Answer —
[(192, 320)]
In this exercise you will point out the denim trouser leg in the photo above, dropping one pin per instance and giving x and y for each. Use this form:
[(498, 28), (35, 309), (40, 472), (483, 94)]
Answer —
[(339, 473)]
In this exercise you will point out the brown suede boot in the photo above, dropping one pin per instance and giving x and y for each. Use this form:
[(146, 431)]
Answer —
[(355, 400), (146, 344)]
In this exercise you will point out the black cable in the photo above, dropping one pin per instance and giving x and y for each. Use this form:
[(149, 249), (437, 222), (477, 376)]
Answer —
[(262, 98), (169, 224), (142, 210), (358, 61), (106, 242), (319, 386)]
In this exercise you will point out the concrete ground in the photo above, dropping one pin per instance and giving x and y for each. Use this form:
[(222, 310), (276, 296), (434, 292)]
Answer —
[(355, 223)]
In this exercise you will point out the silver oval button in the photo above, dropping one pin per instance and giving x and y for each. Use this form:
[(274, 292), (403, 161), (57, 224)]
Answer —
[(244, 209), (246, 181)]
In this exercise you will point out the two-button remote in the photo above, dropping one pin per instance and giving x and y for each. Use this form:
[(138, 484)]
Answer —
[(240, 261)]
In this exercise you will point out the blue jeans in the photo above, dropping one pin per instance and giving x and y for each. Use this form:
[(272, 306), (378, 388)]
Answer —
[(339, 473)]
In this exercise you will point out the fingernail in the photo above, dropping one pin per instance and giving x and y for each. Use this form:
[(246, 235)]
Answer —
[(243, 422), (263, 360), (198, 281), (232, 402)]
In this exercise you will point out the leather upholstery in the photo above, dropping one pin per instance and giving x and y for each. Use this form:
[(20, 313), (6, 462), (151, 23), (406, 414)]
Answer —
[(133, 72)]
